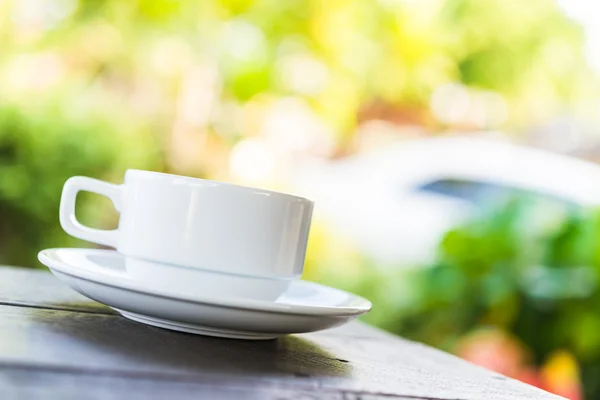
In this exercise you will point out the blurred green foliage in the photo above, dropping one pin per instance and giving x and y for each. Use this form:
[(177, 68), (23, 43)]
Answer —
[(92, 88), (527, 265), (40, 147)]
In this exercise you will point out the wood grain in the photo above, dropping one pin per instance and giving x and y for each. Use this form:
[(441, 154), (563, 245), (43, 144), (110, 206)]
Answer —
[(57, 344), (58, 340), (39, 288), (19, 383)]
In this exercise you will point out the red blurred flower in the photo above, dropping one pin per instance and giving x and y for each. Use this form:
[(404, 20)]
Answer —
[(498, 351), (495, 350)]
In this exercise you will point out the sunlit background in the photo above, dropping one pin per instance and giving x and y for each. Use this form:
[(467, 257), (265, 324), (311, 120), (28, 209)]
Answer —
[(441, 140)]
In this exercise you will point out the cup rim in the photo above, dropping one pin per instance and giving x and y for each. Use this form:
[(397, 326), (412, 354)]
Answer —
[(190, 179)]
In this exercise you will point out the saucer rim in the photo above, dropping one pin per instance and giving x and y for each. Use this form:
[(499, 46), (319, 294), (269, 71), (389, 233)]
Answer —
[(44, 256)]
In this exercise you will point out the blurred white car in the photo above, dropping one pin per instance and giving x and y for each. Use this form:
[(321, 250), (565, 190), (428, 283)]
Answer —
[(395, 204)]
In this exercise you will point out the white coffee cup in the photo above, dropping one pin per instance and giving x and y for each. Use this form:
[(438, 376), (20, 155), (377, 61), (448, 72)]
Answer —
[(213, 227), (192, 281)]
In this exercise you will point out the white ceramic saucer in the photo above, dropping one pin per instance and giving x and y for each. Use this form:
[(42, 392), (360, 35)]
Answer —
[(101, 275)]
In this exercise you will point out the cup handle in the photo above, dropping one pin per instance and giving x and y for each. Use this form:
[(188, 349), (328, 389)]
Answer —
[(68, 220)]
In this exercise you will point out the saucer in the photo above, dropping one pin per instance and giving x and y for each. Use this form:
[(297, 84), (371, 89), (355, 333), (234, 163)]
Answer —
[(304, 307)]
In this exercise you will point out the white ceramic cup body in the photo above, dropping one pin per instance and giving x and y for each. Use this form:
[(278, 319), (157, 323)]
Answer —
[(199, 224), (191, 281)]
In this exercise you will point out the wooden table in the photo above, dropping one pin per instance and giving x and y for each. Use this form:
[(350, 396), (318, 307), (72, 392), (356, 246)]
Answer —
[(57, 344)]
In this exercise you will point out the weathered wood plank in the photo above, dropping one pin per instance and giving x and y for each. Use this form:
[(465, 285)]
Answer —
[(56, 340), (18, 383), (39, 288)]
